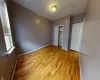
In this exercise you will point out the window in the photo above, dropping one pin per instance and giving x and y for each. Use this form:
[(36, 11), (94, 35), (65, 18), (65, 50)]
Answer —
[(6, 25)]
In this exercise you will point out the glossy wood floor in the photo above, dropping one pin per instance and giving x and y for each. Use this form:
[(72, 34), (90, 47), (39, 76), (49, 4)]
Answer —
[(49, 63)]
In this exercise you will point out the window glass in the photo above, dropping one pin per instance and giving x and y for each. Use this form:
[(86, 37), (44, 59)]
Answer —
[(6, 25)]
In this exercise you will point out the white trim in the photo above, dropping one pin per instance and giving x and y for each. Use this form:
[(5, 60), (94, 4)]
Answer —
[(34, 50), (58, 35), (13, 70), (80, 52), (11, 50), (80, 67), (64, 48), (8, 52), (62, 35)]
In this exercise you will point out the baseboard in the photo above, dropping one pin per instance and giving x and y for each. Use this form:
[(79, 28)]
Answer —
[(64, 48), (13, 70), (34, 50), (80, 67)]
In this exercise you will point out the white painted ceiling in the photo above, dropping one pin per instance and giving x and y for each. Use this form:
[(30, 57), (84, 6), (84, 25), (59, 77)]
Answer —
[(64, 7)]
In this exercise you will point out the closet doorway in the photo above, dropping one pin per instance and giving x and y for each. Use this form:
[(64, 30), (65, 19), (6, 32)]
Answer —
[(58, 35)]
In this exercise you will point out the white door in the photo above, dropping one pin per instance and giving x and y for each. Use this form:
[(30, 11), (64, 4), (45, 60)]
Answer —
[(56, 31), (76, 36)]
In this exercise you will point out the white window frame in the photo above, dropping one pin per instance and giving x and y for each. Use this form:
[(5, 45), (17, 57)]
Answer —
[(6, 27)]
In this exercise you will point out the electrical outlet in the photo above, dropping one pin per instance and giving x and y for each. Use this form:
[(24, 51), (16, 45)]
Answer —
[(2, 78)]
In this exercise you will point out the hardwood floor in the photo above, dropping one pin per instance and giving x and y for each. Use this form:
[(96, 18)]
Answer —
[(49, 63)]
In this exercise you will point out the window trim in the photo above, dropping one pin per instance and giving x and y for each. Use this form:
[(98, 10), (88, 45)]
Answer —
[(11, 50)]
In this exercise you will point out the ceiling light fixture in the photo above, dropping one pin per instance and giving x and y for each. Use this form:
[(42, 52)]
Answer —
[(54, 8)]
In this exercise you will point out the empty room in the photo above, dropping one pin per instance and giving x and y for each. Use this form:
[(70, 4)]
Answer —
[(49, 40)]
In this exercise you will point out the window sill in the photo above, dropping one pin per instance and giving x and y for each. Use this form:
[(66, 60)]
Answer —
[(11, 50), (8, 52)]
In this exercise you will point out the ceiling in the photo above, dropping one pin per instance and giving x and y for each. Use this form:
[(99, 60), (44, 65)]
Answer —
[(64, 7)]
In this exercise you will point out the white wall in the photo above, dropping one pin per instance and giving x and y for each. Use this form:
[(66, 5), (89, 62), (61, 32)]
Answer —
[(90, 46), (66, 22)]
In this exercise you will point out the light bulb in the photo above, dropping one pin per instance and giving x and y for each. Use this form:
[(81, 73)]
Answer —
[(54, 8)]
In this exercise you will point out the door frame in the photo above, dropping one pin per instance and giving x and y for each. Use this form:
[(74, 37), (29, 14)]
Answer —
[(58, 34), (62, 36), (80, 37)]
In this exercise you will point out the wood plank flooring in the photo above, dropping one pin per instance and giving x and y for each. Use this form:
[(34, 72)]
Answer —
[(49, 63)]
